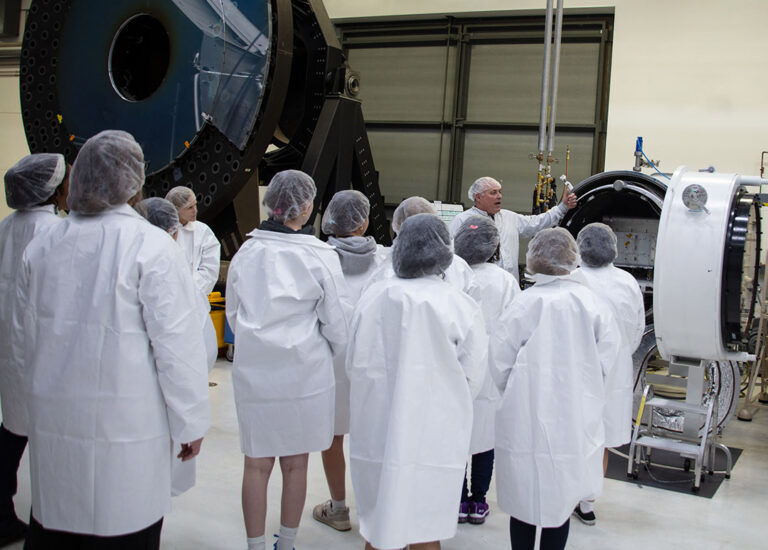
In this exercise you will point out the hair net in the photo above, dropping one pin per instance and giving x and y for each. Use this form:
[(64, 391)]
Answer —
[(481, 185), (552, 252), (422, 247), (346, 212), (180, 196), (288, 193), (33, 179), (409, 207), (108, 171), (161, 213), (597, 245), (476, 240)]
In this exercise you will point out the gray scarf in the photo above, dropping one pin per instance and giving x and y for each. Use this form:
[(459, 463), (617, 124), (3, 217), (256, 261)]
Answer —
[(355, 253)]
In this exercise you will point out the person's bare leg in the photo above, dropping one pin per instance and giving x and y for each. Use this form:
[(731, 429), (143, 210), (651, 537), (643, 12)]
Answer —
[(434, 545), (256, 473), (294, 470), (606, 453), (335, 468)]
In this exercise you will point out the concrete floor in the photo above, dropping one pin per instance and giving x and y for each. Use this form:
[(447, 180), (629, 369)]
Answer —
[(629, 517)]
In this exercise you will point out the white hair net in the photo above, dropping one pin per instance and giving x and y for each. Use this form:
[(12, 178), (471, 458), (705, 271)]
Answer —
[(180, 196), (34, 179), (408, 208), (346, 212), (481, 185), (108, 171), (552, 252), (476, 240), (288, 194), (422, 247), (597, 245), (161, 213)]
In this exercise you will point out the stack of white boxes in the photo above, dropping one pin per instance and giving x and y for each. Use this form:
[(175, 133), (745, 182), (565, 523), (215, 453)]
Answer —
[(447, 212)]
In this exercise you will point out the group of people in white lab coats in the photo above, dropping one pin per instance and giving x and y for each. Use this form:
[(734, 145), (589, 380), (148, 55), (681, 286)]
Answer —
[(426, 353), (104, 357)]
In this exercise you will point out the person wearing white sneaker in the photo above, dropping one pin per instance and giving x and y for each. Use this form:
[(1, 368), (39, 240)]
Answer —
[(287, 306), (619, 290)]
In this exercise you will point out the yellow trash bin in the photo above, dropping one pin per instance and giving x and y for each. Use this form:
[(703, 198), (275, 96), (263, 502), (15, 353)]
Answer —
[(218, 303)]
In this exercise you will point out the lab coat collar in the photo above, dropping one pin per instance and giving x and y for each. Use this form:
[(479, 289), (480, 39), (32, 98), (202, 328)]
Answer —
[(189, 227), (40, 208), (576, 276), (477, 211), (297, 238), (122, 210)]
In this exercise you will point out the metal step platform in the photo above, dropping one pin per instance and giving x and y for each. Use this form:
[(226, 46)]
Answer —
[(697, 441)]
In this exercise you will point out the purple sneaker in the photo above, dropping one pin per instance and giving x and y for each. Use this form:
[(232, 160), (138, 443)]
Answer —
[(463, 512), (478, 511)]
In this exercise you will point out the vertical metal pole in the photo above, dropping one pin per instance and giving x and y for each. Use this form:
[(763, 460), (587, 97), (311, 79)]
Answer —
[(555, 73), (545, 78), (442, 112)]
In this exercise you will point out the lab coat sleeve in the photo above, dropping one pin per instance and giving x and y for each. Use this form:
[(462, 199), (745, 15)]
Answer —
[(468, 279), (207, 272), (639, 316), (506, 340), (21, 340), (528, 226), (232, 302), (608, 337), (166, 293), (334, 311), (473, 353)]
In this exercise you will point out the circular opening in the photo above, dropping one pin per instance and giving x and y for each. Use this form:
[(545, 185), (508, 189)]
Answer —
[(139, 57)]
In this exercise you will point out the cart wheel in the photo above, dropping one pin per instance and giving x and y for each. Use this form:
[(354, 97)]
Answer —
[(687, 465), (695, 489), (727, 476), (230, 352), (634, 475)]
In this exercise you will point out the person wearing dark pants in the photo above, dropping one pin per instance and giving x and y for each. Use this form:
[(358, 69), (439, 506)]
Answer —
[(39, 538), (480, 478), (523, 535), (477, 243), (113, 359), (34, 188), (12, 447), (550, 423)]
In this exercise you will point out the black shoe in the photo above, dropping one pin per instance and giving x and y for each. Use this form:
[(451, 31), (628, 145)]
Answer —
[(587, 518), (13, 532)]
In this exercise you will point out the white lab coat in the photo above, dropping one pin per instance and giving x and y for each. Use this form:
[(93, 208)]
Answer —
[(115, 369), (287, 306), (558, 345), (184, 474), (417, 357), (355, 283), (203, 252), (512, 227), (459, 275), (497, 288), (209, 331), (622, 293), (16, 231)]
